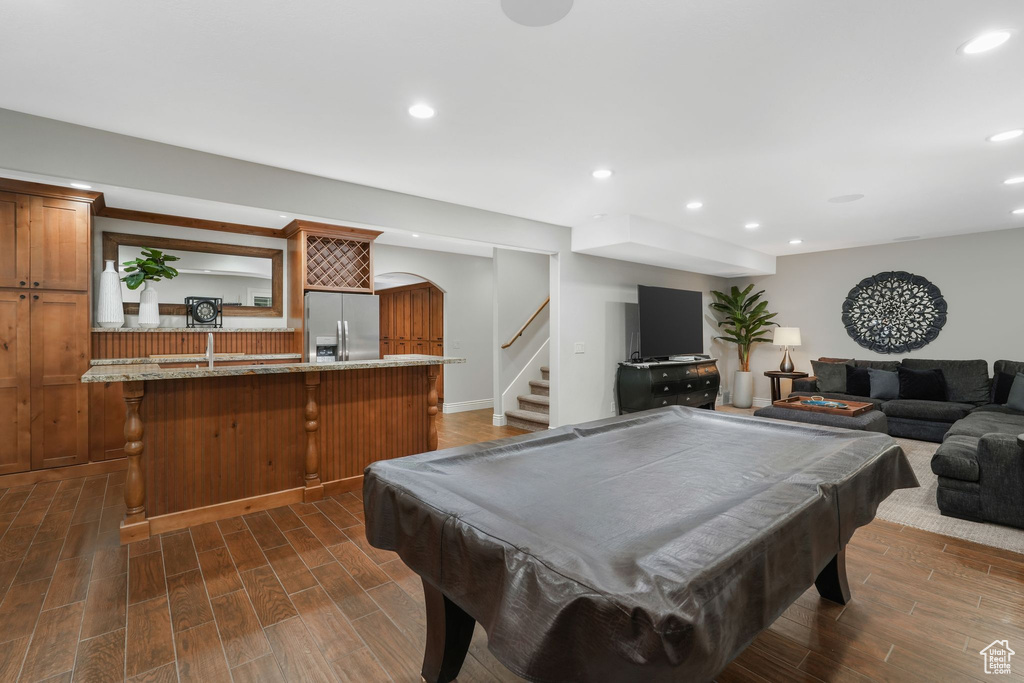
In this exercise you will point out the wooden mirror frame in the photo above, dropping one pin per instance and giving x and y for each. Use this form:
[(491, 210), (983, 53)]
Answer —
[(113, 240)]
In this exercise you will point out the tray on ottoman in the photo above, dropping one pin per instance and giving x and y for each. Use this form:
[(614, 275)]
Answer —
[(847, 408)]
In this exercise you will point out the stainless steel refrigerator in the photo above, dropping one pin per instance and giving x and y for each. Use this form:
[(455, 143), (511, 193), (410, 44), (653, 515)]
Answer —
[(342, 327)]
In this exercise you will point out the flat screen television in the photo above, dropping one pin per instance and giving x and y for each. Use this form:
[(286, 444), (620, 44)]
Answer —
[(671, 322)]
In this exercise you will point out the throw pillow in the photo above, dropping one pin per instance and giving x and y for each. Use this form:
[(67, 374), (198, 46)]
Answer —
[(1016, 398), (924, 385), (884, 385), (831, 376), (858, 381), (1001, 387)]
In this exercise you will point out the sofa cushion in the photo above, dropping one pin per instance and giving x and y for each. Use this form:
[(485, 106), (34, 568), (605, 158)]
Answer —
[(966, 380), (1001, 384), (927, 385), (957, 458), (981, 422), (933, 411), (1008, 367), (996, 408), (858, 381), (838, 396), (1015, 399), (831, 376), (887, 365), (884, 384)]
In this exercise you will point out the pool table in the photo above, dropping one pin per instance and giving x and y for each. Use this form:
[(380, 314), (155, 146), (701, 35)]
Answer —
[(648, 547)]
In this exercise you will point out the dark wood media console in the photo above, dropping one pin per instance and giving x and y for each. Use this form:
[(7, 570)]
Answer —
[(643, 386)]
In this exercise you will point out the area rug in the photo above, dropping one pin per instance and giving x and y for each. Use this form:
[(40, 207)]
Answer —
[(916, 507)]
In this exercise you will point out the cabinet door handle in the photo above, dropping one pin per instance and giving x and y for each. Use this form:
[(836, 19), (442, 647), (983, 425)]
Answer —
[(23, 283), (664, 374), (707, 382), (35, 296), (665, 389), (22, 296), (35, 284)]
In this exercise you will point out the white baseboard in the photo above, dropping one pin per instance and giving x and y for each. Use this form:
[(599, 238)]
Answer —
[(463, 406), (761, 402), (499, 420)]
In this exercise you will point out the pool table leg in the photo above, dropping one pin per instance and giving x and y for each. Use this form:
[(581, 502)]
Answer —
[(832, 583), (449, 631)]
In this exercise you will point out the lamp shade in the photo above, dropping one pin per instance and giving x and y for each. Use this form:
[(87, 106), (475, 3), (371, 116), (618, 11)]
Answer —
[(787, 336)]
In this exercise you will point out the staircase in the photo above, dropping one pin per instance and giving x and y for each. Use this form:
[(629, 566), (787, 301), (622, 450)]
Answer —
[(534, 407)]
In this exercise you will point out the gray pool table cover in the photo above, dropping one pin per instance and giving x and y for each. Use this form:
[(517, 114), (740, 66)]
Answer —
[(648, 547)]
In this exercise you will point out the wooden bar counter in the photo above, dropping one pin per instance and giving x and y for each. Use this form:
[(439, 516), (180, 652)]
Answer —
[(211, 443)]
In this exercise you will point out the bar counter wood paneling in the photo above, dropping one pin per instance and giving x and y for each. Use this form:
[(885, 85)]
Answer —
[(144, 344), (212, 447)]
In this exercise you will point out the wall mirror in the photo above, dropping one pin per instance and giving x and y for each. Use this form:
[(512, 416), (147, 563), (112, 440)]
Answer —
[(247, 279)]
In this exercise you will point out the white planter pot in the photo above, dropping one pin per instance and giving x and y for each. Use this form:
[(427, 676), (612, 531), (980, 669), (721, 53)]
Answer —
[(149, 307), (742, 389), (109, 309)]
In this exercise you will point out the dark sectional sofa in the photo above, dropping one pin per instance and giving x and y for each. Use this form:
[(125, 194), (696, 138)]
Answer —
[(980, 462)]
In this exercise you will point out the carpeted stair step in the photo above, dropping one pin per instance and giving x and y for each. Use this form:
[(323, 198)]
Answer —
[(535, 403), (540, 387), (545, 372), (526, 419)]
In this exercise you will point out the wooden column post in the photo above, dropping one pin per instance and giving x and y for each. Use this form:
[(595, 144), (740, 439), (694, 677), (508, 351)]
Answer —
[(135, 526), (314, 488), (432, 372)]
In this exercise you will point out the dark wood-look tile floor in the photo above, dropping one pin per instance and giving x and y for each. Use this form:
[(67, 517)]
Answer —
[(297, 594)]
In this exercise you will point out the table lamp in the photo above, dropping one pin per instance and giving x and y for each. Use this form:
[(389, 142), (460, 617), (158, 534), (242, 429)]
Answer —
[(787, 337)]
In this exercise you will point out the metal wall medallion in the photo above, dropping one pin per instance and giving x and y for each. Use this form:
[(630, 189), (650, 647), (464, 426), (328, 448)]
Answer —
[(894, 312)]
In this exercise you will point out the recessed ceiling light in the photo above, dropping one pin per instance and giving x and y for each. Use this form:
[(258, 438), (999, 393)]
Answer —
[(796, 241), (845, 198), (80, 186), (1014, 181), (599, 215), (1007, 135), (534, 13), (693, 206), (1017, 212), (415, 235), (752, 226), (907, 238), (282, 216), (985, 42), (422, 111), (602, 173)]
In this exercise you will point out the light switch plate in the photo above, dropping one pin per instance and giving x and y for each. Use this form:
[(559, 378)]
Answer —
[(578, 347)]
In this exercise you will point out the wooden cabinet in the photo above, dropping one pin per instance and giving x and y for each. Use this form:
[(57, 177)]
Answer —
[(436, 314), (59, 357), (59, 244), (330, 258), (419, 321), (385, 348), (15, 434), (44, 243), (403, 315), (14, 246), (387, 317)]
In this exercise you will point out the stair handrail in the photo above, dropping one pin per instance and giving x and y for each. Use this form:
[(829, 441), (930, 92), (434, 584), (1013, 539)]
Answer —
[(527, 324)]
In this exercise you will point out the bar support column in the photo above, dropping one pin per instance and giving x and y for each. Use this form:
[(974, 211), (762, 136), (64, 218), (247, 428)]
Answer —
[(432, 373), (314, 488), (134, 526)]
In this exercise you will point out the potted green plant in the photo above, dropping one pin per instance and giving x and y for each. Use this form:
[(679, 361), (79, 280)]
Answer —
[(152, 267), (746, 320)]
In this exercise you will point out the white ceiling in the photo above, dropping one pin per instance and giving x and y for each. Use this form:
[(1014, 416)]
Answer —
[(763, 110)]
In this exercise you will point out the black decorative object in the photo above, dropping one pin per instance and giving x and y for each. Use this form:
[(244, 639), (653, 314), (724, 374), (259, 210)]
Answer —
[(894, 312), (203, 311)]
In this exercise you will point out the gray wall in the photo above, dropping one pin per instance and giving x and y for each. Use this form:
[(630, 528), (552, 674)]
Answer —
[(468, 284), (595, 299), (980, 277), (520, 286)]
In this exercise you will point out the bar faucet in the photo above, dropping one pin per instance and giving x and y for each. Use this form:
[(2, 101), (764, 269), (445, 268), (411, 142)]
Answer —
[(209, 350)]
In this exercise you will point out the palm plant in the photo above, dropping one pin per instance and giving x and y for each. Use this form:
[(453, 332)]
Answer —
[(745, 318)]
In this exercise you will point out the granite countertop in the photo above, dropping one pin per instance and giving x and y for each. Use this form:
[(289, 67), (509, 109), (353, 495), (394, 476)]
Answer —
[(146, 372), (216, 330), (196, 358)]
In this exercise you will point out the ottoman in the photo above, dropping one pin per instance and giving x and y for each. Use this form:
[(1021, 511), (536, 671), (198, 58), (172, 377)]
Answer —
[(871, 421)]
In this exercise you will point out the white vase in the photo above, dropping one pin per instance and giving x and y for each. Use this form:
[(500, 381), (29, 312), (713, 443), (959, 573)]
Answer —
[(109, 309), (742, 389), (149, 306)]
